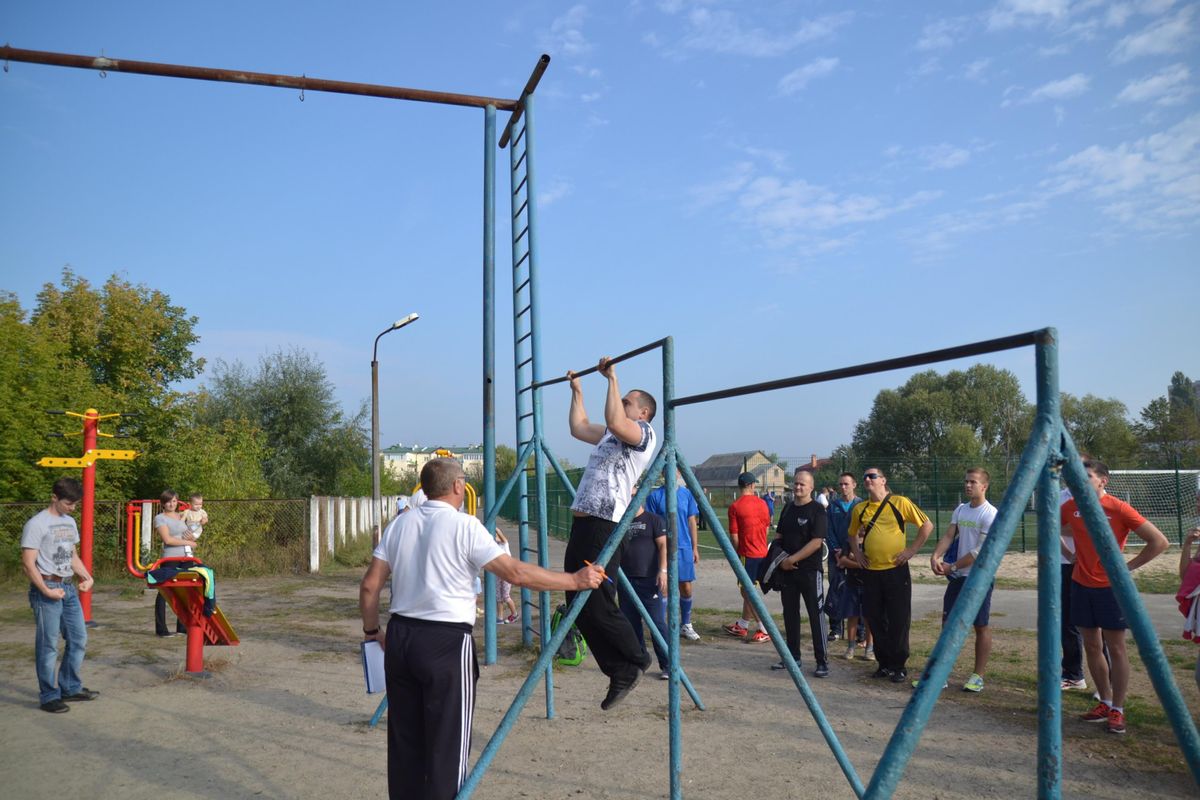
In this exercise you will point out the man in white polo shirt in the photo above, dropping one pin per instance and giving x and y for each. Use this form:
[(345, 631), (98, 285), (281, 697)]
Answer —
[(431, 556)]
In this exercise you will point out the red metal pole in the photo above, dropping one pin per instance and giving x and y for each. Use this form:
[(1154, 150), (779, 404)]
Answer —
[(195, 646), (90, 423)]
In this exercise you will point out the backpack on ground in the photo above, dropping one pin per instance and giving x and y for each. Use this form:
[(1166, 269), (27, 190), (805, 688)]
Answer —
[(573, 649)]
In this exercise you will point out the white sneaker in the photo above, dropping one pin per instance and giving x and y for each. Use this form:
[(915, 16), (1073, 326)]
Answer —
[(1079, 685), (850, 651), (689, 632)]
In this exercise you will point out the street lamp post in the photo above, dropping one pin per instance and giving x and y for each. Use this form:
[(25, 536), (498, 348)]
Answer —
[(376, 500)]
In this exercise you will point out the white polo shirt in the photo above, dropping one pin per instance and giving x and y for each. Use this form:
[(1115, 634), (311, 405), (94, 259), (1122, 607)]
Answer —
[(435, 553)]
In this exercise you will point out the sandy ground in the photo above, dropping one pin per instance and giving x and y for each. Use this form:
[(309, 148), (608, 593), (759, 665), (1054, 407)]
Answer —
[(284, 716)]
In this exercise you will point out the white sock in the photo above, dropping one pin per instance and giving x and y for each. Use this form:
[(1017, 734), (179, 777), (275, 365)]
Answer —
[(1117, 708), (745, 623)]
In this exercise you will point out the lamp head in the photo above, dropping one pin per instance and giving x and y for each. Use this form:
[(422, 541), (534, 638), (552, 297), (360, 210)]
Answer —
[(400, 323)]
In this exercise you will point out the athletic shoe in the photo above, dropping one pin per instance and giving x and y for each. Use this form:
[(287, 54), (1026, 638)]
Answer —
[(832, 637), (510, 619), (1116, 721), (734, 629), (781, 665), (55, 707), (759, 637), (81, 695), (1098, 714), (689, 632), (974, 683), (899, 675), (664, 675), (850, 651), (1079, 685), (917, 683), (869, 655), (822, 671), (882, 672), (619, 690)]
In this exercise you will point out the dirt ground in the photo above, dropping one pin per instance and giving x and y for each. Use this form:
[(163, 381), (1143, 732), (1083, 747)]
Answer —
[(284, 715)]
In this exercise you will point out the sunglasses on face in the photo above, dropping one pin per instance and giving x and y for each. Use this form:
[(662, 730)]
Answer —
[(870, 476)]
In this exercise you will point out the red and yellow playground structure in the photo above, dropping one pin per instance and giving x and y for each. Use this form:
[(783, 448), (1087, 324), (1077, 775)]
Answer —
[(184, 591), (90, 433)]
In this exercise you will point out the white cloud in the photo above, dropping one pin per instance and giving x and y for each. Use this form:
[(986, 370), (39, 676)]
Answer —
[(1063, 89), (557, 189), (1161, 37), (794, 213), (1167, 87), (1152, 184), (799, 78), (944, 156), (1027, 13), (566, 33), (940, 34), (721, 31), (975, 70)]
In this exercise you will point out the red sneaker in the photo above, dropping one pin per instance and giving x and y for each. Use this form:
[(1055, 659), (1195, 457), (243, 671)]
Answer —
[(759, 637), (734, 629), (1099, 713), (1116, 721)]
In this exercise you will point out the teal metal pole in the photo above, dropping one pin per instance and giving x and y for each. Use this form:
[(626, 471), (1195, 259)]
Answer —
[(671, 494), (489, 367), (644, 613), (517, 473), (1050, 611), (562, 475), (764, 616), (1131, 604), (954, 631)]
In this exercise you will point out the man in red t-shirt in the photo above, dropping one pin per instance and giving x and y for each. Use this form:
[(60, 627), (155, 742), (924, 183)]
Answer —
[(1094, 608), (749, 520)]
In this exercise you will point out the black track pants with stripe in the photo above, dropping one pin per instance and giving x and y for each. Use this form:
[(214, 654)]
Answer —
[(431, 676)]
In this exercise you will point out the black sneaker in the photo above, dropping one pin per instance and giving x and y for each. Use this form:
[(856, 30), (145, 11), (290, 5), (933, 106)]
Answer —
[(619, 690), (55, 707), (822, 671), (882, 672), (781, 665), (899, 675), (832, 637), (82, 694)]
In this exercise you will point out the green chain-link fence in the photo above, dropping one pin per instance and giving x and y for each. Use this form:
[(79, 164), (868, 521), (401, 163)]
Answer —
[(243, 537)]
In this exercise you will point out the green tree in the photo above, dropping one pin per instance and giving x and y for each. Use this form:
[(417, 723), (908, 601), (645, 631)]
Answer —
[(1100, 427), (313, 447), (978, 413), (223, 461), (1169, 428)]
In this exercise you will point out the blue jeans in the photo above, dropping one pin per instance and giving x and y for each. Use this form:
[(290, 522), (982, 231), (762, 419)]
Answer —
[(53, 617), (647, 592)]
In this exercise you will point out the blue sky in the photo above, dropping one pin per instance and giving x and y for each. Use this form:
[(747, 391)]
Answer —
[(783, 187)]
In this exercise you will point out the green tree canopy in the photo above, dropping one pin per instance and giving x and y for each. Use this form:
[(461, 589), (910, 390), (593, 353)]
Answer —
[(1169, 428), (1100, 427), (313, 448)]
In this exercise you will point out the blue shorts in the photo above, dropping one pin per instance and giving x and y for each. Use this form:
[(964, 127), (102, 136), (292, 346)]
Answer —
[(850, 600), (751, 565), (1095, 608), (687, 567), (951, 596)]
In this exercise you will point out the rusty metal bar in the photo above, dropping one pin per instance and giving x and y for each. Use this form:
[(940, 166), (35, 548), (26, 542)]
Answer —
[(302, 82), (538, 70)]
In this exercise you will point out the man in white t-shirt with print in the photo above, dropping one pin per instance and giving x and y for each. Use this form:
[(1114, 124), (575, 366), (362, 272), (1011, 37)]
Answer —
[(624, 446), (969, 524), (431, 556)]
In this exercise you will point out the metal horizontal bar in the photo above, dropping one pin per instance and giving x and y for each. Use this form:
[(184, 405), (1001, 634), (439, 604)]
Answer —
[(521, 313), (523, 363), (539, 69), (932, 357), (517, 164), (521, 260), (520, 186), (521, 286), (523, 338), (524, 389), (520, 210), (524, 416), (521, 235), (614, 360), (301, 82)]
